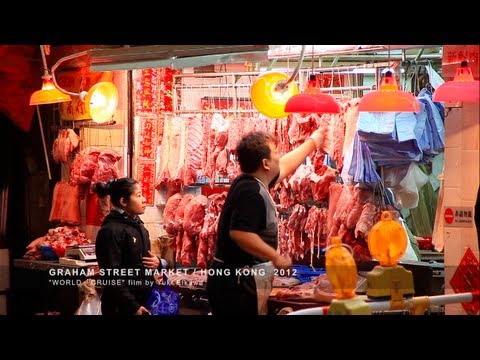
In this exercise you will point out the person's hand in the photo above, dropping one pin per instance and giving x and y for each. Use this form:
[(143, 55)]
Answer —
[(319, 136), (142, 310), (151, 261), (282, 262)]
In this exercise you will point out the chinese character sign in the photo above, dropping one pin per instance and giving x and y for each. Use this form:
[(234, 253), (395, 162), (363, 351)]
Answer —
[(145, 89), (146, 178), (153, 90), (147, 137), (453, 55)]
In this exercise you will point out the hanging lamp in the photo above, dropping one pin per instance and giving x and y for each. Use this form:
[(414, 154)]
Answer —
[(271, 91), (49, 94), (100, 101), (463, 87), (312, 101), (389, 97)]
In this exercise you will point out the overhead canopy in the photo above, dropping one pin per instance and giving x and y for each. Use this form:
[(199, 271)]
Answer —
[(174, 56)]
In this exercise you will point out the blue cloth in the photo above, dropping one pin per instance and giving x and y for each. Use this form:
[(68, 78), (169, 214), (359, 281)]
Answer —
[(387, 138), (435, 123), (377, 126)]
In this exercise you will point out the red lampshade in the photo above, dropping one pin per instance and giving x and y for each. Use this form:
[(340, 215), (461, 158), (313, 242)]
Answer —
[(389, 98), (463, 87), (312, 101)]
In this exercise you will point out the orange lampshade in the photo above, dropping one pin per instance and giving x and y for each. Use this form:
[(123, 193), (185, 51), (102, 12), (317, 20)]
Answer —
[(49, 94), (101, 101), (341, 269), (463, 87), (387, 240), (389, 98), (268, 97), (312, 101)]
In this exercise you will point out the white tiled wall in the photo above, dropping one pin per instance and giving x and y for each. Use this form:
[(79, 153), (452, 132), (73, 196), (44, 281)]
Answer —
[(461, 183)]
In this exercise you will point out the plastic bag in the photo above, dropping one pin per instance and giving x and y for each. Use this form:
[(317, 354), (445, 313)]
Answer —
[(163, 301), (91, 304), (406, 192)]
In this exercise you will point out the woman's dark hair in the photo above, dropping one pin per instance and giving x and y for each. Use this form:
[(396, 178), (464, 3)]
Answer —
[(116, 188), (252, 148)]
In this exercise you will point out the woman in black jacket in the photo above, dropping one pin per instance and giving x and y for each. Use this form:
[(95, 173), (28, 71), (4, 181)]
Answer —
[(123, 250)]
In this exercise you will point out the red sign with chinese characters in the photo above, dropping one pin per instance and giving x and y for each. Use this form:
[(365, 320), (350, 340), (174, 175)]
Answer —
[(467, 279), (224, 103), (146, 178), (147, 137), (153, 90), (145, 91), (453, 55)]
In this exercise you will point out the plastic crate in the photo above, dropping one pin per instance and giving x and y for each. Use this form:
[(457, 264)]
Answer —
[(305, 273)]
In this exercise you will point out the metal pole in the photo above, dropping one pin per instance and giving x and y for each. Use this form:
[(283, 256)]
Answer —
[(407, 303), (44, 144)]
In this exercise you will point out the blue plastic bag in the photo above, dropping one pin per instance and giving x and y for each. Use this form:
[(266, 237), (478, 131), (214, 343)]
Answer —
[(163, 301)]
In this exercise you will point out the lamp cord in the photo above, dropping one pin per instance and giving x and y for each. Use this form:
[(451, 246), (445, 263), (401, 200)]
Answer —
[(44, 60), (57, 64), (282, 84)]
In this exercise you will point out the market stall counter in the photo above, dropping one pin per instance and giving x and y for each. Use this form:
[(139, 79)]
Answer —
[(47, 287)]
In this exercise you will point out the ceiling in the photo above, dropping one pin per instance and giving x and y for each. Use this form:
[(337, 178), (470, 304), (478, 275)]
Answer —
[(21, 66), (129, 57)]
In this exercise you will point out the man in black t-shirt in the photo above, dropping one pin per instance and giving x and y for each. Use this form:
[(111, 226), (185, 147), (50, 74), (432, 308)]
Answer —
[(241, 274)]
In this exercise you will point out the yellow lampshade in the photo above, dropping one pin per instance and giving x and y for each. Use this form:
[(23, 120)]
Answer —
[(268, 97), (387, 240), (101, 101), (49, 94)]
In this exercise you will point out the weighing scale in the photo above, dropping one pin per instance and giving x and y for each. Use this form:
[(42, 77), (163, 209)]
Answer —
[(81, 255)]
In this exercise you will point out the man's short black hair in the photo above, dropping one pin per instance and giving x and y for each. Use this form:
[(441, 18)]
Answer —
[(252, 149)]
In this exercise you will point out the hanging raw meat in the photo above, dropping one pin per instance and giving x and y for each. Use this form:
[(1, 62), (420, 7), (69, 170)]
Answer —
[(65, 204), (193, 151), (107, 166), (84, 165), (67, 141)]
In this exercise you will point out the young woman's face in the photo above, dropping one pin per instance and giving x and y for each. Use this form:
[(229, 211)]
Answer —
[(136, 203)]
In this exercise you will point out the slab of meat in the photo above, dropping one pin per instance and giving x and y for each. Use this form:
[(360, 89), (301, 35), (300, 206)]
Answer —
[(194, 215), (193, 150), (67, 141), (334, 191), (351, 119), (338, 140), (172, 153), (169, 213), (107, 167), (318, 290), (84, 165), (65, 204), (365, 222), (320, 182)]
